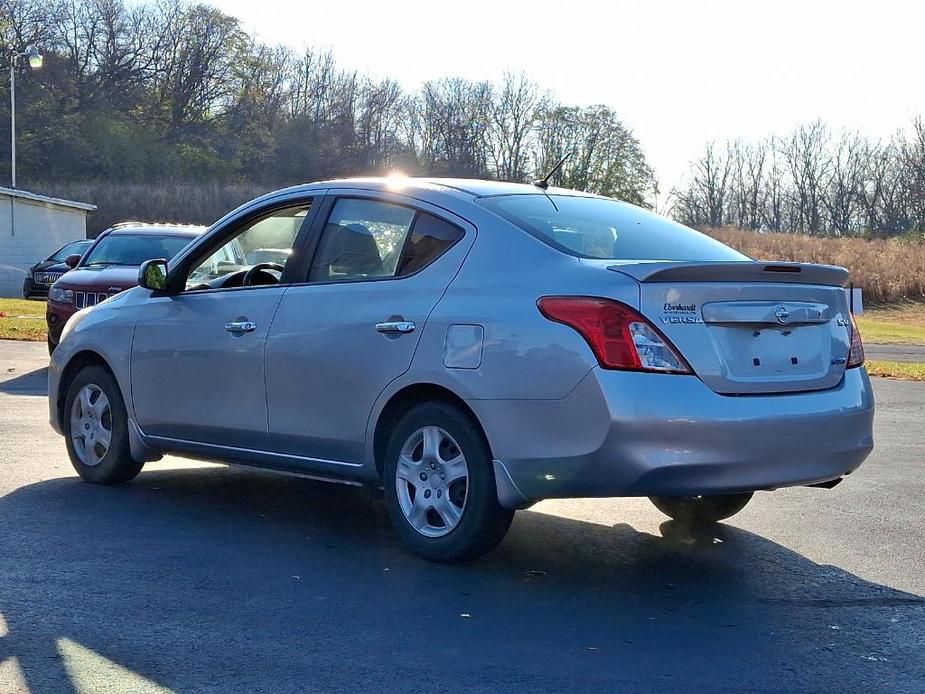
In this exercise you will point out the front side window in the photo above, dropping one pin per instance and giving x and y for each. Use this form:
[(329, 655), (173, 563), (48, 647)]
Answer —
[(134, 249), (267, 241), (369, 239), (606, 229)]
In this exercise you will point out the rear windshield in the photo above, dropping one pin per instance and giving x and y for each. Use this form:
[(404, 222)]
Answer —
[(606, 229), (131, 249)]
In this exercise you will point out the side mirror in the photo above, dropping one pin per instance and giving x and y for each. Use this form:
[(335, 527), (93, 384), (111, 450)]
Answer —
[(153, 274), (72, 260)]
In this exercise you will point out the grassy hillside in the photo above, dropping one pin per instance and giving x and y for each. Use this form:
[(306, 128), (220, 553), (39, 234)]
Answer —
[(153, 202)]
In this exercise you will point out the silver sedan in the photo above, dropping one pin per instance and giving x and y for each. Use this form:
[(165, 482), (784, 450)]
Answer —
[(472, 347)]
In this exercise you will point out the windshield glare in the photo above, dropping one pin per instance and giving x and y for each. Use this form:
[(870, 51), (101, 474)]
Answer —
[(128, 249), (606, 229)]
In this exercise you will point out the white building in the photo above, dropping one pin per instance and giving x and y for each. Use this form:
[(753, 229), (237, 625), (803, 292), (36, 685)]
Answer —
[(32, 227)]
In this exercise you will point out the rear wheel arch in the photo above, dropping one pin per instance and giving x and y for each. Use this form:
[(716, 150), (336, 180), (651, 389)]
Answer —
[(402, 401)]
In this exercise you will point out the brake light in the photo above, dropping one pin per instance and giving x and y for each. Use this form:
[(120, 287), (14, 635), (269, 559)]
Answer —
[(619, 336), (856, 351)]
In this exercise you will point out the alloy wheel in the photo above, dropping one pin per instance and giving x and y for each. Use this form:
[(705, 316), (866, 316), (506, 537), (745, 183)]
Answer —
[(432, 481), (91, 425)]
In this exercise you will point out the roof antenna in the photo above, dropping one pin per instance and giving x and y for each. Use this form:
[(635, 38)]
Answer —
[(543, 183)]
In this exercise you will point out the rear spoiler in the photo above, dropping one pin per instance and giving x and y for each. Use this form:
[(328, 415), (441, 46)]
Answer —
[(734, 271)]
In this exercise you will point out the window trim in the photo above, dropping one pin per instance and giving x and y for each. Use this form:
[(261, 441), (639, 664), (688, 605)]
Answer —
[(322, 222)]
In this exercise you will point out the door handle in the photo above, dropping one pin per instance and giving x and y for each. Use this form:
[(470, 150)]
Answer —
[(397, 326), (241, 326)]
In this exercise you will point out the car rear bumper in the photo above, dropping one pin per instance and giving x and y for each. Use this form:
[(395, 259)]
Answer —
[(634, 434)]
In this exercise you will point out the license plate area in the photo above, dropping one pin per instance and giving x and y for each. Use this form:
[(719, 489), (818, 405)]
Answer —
[(762, 352)]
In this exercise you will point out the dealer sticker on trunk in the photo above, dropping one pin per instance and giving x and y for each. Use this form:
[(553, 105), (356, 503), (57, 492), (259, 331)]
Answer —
[(680, 313)]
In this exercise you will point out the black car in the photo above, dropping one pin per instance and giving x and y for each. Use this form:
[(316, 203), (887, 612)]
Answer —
[(44, 273)]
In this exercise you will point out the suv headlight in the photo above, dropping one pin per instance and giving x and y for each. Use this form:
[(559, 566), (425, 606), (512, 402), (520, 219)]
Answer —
[(61, 296)]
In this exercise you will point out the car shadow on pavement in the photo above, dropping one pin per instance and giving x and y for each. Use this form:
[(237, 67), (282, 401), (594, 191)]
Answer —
[(32, 383), (221, 579)]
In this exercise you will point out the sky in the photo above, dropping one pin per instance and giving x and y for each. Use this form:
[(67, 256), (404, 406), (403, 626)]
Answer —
[(679, 74)]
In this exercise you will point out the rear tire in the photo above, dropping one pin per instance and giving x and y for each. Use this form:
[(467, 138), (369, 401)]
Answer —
[(51, 346), (440, 485), (96, 428), (701, 509)]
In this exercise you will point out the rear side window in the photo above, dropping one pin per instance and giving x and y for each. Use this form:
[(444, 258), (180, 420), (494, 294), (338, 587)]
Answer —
[(606, 229), (373, 239), (430, 238)]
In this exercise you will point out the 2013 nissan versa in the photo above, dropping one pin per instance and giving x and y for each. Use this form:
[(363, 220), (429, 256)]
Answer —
[(473, 347)]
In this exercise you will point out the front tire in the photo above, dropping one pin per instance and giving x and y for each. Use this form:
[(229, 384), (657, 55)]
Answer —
[(51, 346), (96, 429), (440, 485), (701, 509)]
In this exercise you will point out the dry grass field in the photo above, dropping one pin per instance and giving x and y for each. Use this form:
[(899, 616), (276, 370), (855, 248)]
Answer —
[(888, 271)]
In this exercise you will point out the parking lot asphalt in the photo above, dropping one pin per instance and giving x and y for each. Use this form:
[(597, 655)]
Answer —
[(905, 353), (205, 578)]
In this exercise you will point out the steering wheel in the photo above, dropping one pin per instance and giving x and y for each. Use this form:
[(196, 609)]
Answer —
[(259, 267)]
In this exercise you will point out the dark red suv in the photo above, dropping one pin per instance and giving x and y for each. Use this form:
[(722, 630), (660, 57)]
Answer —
[(110, 266)]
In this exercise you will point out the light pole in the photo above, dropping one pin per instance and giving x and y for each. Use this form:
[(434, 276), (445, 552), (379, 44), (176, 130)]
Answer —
[(35, 62)]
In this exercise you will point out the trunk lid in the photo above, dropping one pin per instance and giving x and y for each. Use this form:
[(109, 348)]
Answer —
[(750, 327)]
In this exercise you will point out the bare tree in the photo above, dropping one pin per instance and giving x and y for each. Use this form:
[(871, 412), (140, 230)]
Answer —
[(147, 89), (23, 23), (807, 156), (883, 199), (747, 167), (379, 112), (912, 156), (811, 181), (703, 201), (774, 208), (604, 156), (194, 73), (454, 114), (849, 162), (513, 114)]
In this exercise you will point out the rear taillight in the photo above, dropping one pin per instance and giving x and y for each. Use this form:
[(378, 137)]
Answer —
[(619, 337), (856, 352)]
